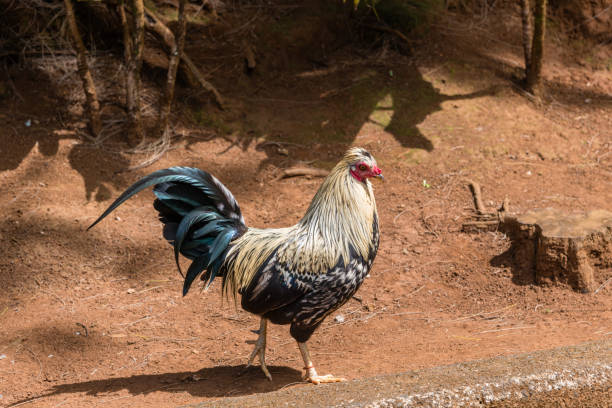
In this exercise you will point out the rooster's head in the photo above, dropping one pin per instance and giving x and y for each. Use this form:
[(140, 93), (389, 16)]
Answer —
[(361, 164)]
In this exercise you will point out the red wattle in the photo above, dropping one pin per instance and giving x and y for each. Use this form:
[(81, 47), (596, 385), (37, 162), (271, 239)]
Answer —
[(354, 174)]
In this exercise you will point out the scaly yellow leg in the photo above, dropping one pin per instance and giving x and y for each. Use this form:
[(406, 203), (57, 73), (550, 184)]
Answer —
[(260, 348)]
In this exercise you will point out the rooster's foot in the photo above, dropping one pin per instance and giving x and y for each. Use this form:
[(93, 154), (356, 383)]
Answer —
[(260, 350), (324, 379), (311, 373)]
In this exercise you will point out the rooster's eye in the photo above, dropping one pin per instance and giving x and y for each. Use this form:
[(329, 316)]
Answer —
[(363, 167)]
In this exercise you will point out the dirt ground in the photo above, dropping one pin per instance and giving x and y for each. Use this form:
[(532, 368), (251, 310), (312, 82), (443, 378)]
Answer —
[(97, 318)]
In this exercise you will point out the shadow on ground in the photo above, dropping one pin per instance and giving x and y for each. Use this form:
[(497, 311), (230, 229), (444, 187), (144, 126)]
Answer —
[(38, 117), (223, 381), (22, 267), (522, 274)]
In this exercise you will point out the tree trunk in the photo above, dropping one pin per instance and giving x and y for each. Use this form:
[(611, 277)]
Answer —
[(527, 33), (175, 58), (93, 106), (539, 29), (154, 23), (133, 38)]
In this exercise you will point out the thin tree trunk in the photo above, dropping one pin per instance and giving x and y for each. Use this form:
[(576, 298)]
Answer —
[(133, 37), (154, 23), (527, 34), (93, 106), (175, 58), (537, 48)]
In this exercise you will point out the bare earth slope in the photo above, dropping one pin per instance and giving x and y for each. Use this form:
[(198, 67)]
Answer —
[(96, 318)]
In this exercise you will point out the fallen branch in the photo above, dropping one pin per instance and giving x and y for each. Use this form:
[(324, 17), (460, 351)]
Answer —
[(477, 195), (484, 220), (302, 171), (480, 224), (203, 83)]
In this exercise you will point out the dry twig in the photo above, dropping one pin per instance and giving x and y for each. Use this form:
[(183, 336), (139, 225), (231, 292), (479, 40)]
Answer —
[(302, 171), (603, 285), (507, 328)]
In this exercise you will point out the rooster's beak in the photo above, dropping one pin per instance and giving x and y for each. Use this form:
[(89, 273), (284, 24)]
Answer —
[(377, 173)]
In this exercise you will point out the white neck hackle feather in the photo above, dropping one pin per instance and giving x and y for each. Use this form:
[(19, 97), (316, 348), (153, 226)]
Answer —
[(340, 215)]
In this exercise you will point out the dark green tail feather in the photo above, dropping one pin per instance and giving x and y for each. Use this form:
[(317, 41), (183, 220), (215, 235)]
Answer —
[(201, 213)]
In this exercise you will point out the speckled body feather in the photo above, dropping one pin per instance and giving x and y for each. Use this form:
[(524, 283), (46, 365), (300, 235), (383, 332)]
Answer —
[(300, 274)]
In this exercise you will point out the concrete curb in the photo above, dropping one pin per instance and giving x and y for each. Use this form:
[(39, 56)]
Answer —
[(500, 380)]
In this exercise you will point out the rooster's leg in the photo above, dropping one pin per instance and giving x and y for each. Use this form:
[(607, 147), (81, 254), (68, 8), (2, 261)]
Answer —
[(260, 348), (311, 373)]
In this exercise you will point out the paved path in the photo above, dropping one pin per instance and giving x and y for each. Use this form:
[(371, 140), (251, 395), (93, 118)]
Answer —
[(577, 376)]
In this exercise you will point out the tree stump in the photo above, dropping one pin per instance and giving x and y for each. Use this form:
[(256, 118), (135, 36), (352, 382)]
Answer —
[(562, 248)]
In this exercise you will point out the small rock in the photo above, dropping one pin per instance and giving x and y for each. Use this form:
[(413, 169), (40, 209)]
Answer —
[(118, 218), (339, 318), (131, 290), (50, 356), (528, 173), (282, 151), (2, 356)]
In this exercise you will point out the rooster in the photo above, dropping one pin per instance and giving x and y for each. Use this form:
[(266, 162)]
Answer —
[(296, 275)]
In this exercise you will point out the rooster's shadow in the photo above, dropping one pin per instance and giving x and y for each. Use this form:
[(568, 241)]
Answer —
[(213, 382)]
